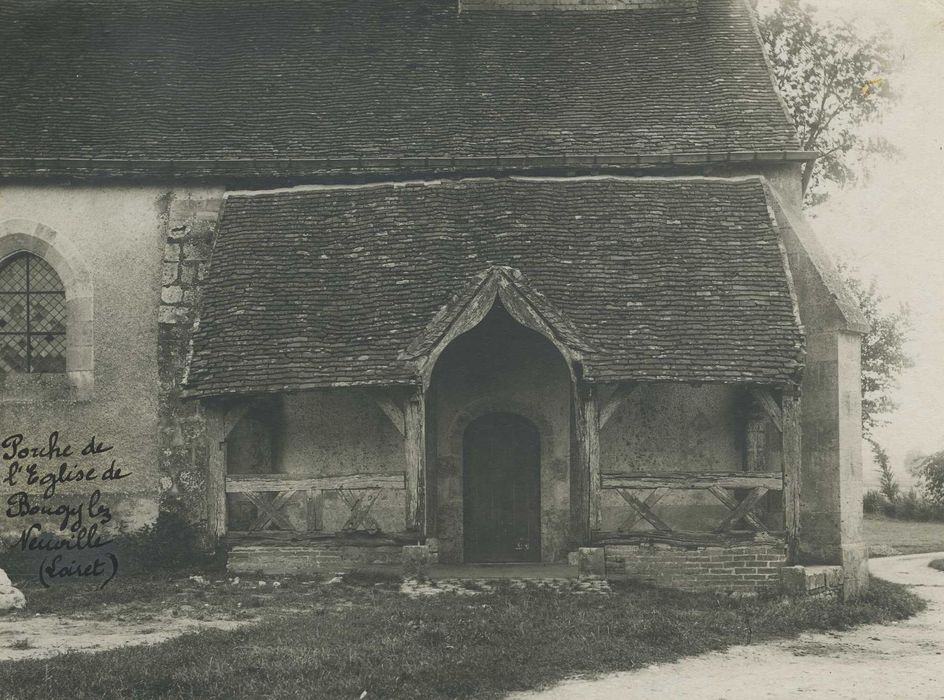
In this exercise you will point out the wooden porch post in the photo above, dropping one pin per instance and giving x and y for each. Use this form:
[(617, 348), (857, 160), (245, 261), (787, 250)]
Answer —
[(585, 477), (790, 407), (221, 419), (415, 445)]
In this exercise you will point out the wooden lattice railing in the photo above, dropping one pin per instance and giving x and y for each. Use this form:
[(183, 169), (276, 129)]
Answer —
[(270, 494), (739, 492)]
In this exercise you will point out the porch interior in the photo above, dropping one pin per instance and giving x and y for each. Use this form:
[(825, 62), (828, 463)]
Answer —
[(341, 478)]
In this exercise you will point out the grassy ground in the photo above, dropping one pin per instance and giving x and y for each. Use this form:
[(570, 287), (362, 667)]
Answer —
[(937, 564), (337, 641), (887, 537)]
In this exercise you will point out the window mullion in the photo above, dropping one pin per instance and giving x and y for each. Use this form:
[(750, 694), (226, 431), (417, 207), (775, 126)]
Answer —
[(29, 336)]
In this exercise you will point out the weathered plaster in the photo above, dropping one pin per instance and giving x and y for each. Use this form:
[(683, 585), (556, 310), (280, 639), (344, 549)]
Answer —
[(666, 428), (110, 240), (107, 242)]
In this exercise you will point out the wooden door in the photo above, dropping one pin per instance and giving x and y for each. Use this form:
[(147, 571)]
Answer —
[(502, 489)]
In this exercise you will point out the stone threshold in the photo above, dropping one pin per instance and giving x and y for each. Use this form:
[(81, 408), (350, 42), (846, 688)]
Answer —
[(503, 571)]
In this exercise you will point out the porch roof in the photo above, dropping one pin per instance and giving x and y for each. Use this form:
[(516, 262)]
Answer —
[(661, 279)]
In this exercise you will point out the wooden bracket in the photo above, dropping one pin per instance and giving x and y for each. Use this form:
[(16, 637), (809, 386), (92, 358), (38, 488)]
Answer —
[(231, 419), (386, 404), (769, 404), (616, 399)]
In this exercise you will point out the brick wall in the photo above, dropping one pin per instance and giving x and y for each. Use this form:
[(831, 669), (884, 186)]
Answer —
[(742, 569), (314, 558), (576, 5)]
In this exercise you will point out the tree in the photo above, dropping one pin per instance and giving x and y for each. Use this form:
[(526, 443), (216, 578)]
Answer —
[(833, 82), (883, 350), (931, 472), (888, 485)]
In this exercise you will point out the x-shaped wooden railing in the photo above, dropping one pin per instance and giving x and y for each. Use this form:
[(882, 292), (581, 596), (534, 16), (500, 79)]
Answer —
[(720, 485), (360, 503), (269, 509), (269, 494)]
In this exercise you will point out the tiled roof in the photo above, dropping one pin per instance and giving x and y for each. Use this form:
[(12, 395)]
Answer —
[(661, 279), (313, 79)]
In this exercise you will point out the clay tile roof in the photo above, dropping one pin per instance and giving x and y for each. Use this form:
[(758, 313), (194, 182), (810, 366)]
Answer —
[(659, 279), (313, 79)]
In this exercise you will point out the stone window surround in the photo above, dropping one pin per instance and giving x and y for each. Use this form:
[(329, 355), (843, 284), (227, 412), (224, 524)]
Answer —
[(23, 236)]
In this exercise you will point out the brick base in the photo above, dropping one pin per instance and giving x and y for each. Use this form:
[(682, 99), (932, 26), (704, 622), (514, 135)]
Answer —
[(750, 568), (308, 559)]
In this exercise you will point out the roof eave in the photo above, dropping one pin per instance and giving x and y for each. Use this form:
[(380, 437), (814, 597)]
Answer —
[(289, 167)]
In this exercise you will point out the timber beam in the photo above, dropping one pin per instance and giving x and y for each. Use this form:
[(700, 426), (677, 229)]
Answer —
[(391, 409), (622, 392), (767, 401), (221, 419)]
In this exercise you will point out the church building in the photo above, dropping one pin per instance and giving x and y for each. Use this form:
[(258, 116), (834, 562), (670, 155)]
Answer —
[(432, 281)]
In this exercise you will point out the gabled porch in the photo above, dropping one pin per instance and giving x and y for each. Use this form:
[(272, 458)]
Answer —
[(634, 392)]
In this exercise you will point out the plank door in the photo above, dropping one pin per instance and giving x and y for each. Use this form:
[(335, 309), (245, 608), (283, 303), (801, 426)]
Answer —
[(502, 489)]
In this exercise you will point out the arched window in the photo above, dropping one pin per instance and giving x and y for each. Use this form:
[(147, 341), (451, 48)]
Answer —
[(32, 316)]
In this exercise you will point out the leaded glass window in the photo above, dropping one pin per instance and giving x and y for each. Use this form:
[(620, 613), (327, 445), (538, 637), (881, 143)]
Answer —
[(32, 316)]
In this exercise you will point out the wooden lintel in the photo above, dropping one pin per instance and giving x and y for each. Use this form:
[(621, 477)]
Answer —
[(390, 408), (772, 481), (687, 539), (769, 404), (359, 539), (622, 392), (255, 483)]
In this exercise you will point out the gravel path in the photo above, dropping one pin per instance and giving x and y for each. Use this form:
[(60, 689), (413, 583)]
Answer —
[(900, 660)]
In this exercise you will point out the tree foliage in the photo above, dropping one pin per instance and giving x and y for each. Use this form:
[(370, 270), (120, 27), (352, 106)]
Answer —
[(833, 82), (931, 472), (888, 485), (884, 354)]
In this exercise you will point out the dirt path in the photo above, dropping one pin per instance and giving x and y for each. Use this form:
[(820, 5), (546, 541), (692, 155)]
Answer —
[(48, 635), (901, 660)]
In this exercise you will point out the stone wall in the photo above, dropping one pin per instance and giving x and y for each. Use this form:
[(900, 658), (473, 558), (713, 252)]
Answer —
[(831, 404), (749, 568), (188, 221)]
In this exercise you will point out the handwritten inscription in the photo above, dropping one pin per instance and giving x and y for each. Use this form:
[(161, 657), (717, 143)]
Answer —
[(68, 530)]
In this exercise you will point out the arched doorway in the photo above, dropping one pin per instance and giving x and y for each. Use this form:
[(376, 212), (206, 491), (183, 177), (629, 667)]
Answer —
[(502, 489)]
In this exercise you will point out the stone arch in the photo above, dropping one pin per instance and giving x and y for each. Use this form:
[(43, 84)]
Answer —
[(480, 374), (23, 236), (489, 404)]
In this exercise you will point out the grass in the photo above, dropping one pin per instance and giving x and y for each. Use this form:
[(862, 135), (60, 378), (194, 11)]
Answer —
[(886, 536), (341, 640), (937, 564)]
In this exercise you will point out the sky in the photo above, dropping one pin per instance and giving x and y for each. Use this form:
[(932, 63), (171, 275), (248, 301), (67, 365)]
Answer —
[(892, 227)]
